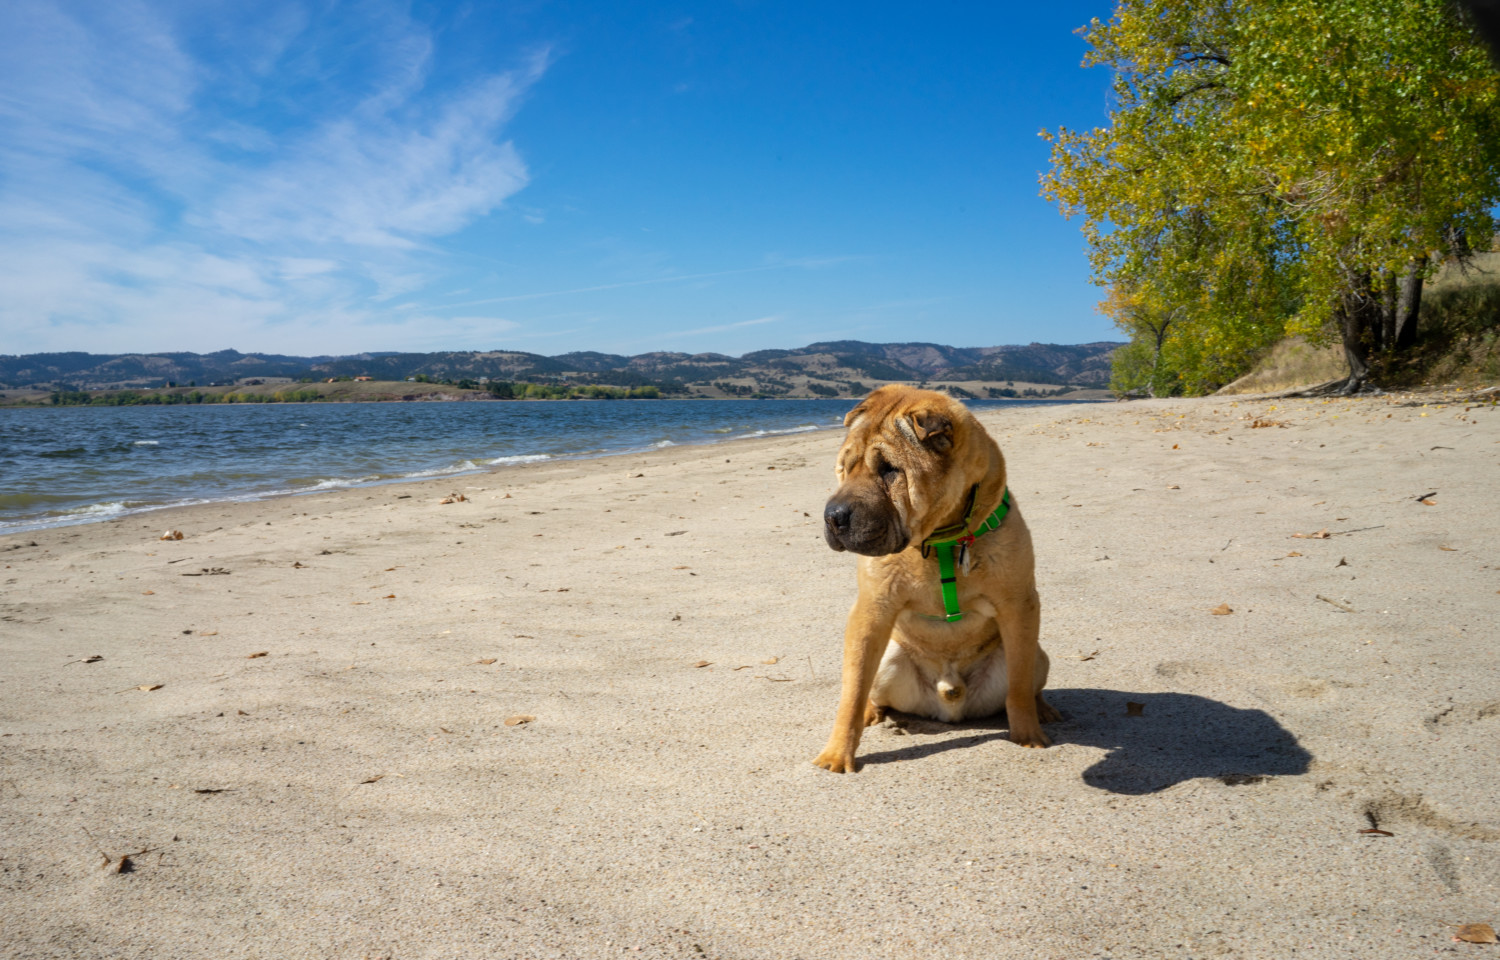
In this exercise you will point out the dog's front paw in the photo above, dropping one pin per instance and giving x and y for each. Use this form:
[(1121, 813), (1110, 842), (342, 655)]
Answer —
[(1029, 736), (873, 714), (837, 760)]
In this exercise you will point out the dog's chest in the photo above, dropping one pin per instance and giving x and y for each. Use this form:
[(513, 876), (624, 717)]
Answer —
[(958, 641)]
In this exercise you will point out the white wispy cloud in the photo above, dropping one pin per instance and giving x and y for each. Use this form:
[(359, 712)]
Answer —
[(132, 207)]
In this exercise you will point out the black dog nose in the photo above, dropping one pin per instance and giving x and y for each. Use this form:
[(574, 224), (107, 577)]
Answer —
[(836, 516)]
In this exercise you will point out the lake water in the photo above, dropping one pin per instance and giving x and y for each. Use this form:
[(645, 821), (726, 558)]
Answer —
[(71, 465)]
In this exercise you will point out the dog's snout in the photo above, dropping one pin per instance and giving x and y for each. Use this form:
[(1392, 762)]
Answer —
[(836, 515)]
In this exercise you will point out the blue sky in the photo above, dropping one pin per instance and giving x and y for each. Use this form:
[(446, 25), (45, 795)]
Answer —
[(336, 177)]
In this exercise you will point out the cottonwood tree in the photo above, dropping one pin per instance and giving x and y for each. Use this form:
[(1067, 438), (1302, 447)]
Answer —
[(1296, 167)]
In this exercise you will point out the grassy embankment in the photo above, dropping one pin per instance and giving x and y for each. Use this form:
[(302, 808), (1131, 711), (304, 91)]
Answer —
[(1458, 342)]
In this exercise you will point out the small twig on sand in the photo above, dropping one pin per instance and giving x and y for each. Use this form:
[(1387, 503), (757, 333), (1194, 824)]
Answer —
[(1340, 533), (1342, 606)]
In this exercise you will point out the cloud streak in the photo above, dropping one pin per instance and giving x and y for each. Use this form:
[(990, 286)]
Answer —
[(131, 197)]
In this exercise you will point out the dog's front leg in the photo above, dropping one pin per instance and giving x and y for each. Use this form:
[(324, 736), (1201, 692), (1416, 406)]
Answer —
[(865, 637), (1020, 620)]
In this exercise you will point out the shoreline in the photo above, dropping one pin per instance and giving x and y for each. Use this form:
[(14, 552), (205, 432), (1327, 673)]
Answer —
[(575, 714), (91, 513)]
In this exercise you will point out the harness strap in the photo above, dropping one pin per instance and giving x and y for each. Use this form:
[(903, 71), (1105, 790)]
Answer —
[(945, 546)]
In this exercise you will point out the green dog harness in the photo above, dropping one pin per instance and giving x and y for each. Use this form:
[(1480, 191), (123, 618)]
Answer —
[(957, 539)]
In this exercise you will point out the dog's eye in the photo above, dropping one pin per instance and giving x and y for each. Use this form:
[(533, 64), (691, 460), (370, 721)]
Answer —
[(889, 474)]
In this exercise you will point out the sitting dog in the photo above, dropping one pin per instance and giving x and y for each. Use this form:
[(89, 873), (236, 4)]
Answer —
[(946, 571)]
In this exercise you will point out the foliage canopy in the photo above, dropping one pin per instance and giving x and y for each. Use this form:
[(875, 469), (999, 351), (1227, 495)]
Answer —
[(1272, 168)]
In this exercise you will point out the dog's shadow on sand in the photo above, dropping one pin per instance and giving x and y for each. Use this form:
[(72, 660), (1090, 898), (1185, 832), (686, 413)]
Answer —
[(1169, 738)]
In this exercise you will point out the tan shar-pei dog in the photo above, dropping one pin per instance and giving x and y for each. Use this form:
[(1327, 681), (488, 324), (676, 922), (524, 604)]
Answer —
[(946, 571)]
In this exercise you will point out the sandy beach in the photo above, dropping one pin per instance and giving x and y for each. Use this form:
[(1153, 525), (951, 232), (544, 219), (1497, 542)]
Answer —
[(302, 722)]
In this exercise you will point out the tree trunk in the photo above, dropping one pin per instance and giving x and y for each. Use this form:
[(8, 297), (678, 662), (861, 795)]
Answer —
[(1384, 332), (1356, 311), (1409, 305)]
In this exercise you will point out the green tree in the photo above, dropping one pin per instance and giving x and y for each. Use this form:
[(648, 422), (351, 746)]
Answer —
[(1279, 168)]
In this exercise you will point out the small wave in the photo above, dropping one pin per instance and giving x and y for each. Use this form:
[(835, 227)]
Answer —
[(146, 443), (340, 482), (97, 511), (468, 466), (520, 458), (805, 428), (663, 444)]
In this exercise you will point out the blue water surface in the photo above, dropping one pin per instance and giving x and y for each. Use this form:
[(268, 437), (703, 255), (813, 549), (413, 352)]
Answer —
[(76, 464)]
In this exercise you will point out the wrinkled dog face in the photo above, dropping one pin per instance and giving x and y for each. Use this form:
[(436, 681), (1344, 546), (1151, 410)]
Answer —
[(892, 461)]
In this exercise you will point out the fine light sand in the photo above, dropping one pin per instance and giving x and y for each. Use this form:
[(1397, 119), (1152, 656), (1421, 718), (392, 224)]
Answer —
[(356, 791)]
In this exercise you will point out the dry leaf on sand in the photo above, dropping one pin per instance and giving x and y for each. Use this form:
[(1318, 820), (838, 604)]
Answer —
[(703, 663), (148, 593), (1222, 610), (1475, 933), (1320, 535), (771, 661), (519, 719), (148, 686), (486, 661), (258, 654), (1133, 709), (1376, 832), (378, 776)]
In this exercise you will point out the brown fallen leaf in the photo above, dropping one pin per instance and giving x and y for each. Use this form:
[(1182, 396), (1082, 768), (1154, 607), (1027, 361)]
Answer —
[(148, 593), (486, 661), (1133, 709), (1174, 446), (1294, 553), (1222, 610), (242, 713), (1376, 832), (745, 667), (771, 661), (1173, 486), (208, 633), (1320, 535), (703, 663), (1343, 562), (258, 653), (1475, 933), (359, 603), (1427, 502), (378, 776), (1449, 549), (519, 719), (149, 686), (445, 730), (389, 596)]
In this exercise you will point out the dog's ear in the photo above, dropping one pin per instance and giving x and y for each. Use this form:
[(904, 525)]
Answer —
[(934, 430), (854, 414)]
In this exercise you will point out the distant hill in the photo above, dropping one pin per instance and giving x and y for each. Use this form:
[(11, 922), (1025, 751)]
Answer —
[(842, 365)]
